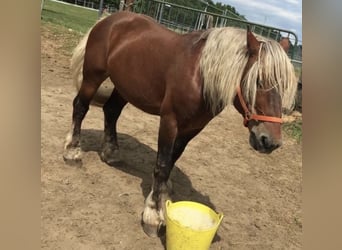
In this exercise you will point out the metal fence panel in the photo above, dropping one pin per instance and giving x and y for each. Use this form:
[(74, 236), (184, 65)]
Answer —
[(184, 19)]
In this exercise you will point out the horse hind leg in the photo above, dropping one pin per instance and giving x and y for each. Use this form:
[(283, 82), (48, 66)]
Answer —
[(72, 148), (112, 110)]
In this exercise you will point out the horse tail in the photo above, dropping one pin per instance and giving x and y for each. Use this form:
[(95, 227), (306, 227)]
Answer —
[(77, 59)]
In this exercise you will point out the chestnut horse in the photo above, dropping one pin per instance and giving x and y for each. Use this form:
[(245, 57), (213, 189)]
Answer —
[(186, 80)]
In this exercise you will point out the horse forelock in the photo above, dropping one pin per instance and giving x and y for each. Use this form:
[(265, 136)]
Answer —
[(223, 61)]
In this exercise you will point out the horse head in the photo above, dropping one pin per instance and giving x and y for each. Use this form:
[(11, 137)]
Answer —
[(259, 96)]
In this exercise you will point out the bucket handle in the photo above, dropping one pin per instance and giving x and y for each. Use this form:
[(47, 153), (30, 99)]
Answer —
[(168, 203), (220, 215)]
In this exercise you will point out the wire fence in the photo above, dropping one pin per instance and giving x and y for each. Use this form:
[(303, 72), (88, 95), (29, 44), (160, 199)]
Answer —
[(184, 19)]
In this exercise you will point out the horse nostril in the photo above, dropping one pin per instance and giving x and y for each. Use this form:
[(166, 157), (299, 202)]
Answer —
[(265, 141), (268, 143)]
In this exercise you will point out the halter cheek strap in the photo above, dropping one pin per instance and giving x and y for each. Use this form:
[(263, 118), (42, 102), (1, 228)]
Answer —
[(250, 116)]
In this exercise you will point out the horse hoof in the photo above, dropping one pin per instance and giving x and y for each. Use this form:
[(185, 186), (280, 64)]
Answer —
[(154, 230), (161, 230), (74, 163), (110, 156), (150, 230), (73, 156)]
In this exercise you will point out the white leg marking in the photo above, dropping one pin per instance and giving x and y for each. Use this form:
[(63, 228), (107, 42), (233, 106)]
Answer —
[(164, 196), (150, 215), (68, 139), (72, 153)]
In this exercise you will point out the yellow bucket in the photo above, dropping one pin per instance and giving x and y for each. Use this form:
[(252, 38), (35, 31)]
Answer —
[(190, 225)]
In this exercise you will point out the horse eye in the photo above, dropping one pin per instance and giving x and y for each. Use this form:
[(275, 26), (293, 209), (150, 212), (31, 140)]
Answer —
[(259, 82)]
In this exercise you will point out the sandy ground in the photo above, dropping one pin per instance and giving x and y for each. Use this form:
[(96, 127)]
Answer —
[(99, 207)]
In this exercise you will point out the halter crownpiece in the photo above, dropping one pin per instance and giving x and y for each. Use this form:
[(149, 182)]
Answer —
[(248, 115)]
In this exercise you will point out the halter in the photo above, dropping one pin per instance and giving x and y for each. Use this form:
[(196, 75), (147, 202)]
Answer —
[(250, 116)]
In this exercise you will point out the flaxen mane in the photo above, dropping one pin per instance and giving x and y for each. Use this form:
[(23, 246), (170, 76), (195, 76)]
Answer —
[(222, 63)]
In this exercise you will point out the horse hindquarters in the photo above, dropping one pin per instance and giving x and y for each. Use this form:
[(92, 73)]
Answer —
[(88, 67)]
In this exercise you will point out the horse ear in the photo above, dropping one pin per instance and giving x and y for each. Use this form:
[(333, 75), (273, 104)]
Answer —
[(253, 44), (285, 44)]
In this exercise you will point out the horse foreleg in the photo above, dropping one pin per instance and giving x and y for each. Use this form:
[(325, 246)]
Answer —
[(112, 110), (153, 215), (181, 142)]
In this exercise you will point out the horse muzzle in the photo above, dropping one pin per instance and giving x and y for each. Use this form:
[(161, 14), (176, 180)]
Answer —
[(264, 143)]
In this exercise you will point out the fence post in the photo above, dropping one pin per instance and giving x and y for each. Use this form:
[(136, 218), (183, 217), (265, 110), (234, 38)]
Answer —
[(161, 12), (121, 5), (42, 5), (100, 8)]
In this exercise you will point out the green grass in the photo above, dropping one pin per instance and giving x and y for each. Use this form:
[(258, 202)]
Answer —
[(72, 17), (294, 129)]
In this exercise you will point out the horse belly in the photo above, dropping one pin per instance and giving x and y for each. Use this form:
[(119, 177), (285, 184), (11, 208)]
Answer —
[(142, 94)]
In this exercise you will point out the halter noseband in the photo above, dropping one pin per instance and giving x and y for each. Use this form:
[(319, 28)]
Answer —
[(250, 116)]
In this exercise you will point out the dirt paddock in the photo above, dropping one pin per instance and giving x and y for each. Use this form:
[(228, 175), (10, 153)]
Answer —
[(97, 206)]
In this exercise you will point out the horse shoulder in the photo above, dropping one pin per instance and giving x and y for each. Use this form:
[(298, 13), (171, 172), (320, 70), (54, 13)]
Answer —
[(185, 80)]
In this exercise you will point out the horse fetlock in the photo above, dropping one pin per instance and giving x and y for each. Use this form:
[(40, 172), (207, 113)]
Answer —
[(110, 153)]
